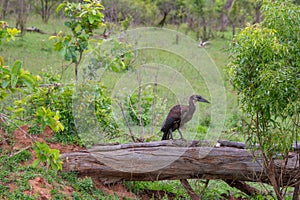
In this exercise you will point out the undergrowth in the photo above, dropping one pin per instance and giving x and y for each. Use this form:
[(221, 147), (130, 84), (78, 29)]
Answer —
[(15, 176)]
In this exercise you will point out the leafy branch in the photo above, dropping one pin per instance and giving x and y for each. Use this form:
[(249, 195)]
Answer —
[(83, 19), (47, 156)]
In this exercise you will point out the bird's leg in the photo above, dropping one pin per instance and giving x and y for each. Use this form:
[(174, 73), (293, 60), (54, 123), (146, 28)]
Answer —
[(181, 137), (171, 134)]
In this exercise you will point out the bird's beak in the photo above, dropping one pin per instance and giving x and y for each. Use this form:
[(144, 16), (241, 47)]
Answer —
[(203, 100)]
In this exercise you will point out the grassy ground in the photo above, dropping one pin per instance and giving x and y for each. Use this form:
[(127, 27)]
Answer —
[(36, 52)]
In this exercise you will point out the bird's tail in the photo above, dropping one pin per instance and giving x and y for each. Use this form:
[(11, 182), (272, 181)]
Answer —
[(166, 136)]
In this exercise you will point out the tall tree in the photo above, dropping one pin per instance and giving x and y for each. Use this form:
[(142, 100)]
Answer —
[(258, 5), (83, 19), (21, 15), (4, 9), (165, 7), (265, 70), (142, 12), (242, 11), (206, 12), (46, 8), (225, 13)]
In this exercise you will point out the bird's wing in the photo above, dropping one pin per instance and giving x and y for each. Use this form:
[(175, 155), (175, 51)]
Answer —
[(168, 124), (175, 115), (184, 111), (179, 111)]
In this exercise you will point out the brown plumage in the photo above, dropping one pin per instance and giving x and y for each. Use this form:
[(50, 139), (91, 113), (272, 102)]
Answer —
[(179, 115)]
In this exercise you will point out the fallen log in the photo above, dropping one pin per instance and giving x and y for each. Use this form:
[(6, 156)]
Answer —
[(175, 160), (35, 29)]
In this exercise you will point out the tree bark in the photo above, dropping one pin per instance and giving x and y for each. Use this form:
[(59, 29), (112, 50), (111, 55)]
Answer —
[(21, 18), (47, 7), (189, 190), (296, 192), (233, 29), (257, 13), (175, 160), (4, 8), (242, 186), (225, 13), (163, 21)]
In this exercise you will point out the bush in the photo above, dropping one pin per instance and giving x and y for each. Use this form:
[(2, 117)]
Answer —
[(58, 99), (146, 101)]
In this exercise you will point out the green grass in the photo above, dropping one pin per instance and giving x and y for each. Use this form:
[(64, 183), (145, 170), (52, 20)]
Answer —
[(33, 49), (214, 190)]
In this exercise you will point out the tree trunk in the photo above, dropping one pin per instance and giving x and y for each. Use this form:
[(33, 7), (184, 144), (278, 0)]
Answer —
[(204, 36), (189, 190), (233, 29), (296, 192), (47, 7), (163, 21), (257, 13), (43, 10), (21, 19), (4, 9), (175, 160), (225, 13), (46, 11), (242, 186)]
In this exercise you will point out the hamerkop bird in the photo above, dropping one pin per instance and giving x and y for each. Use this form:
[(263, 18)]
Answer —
[(179, 115)]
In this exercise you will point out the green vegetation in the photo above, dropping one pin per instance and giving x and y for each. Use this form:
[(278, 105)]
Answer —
[(37, 89), (14, 174), (83, 19), (32, 46), (7, 33), (265, 70), (47, 156)]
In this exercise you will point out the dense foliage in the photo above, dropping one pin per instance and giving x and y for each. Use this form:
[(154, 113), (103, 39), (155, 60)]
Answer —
[(144, 106), (265, 70)]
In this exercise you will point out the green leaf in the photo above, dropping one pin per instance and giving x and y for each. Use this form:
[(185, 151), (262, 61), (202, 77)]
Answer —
[(14, 80), (52, 37), (15, 73), (83, 13), (91, 19), (68, 24), (60, 6), (5, 83), (78, 28), (58, 46), (114, 67), (4, 71), (67, 54), (36, 163), (28, 80), (16, 68), (19, 110)]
